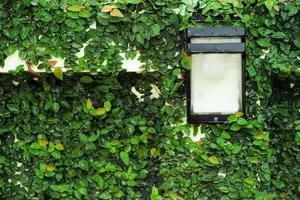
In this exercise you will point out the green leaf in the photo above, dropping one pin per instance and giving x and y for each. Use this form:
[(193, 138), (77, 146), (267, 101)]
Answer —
[(223, 189), (60, 188), (232, 118), (83, 138), (134, 1), (242, 121), (155, 29), (55, 107), (249, 181), (44, 16), (89, 104), (10, 50), (214, 160), (107, 106), (278, 35), (264, 42), (297, 137), (236, 149), (93, 137), (74, 8), (85, 13), (58, 73), (186, 61), (155, 194), (83, 191), (124, 157), (3, 129), (235, 127), (59, 147), (86, 79), (269, 4)]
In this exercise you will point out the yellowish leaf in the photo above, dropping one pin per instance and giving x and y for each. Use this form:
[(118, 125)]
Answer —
[(50, 168), (108, 8), (277, 8), (282, 194), (59, 147), (116, 13), (58, 73), (100, 111), (214, 160), (43, 143), (56, 141), (259, 135), (150, 137), (74, 8), (236, 4), (174, 196), (199, 142), (154, 152), (239, 114), (89, 104)]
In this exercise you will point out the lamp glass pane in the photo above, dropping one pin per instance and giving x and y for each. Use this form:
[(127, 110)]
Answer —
[(216, 83)]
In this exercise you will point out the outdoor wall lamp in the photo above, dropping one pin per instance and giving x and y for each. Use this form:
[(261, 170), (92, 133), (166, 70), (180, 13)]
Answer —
[(215, 86)]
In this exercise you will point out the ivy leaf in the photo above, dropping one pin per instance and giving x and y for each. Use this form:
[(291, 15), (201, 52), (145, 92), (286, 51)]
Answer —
[(264, 42), (239, 114), (235, 127), (85, 13), (124, 157), (232, 118), (74, 8), (89, 104), (44, 16), (93, 137), (108, 8), (269, 4), (116, 13), (107, 106), (242, 121), (154, 152), (43, 143), (297, 138), (83, 138), (50, 168), (100, 111), (155, 194), (278, 35), (249, 181), (60, 188), (214, 160), (134, 1), (83, 191), (86, 79), (186, 61), (59, 147), (58, 73), (259, 135)]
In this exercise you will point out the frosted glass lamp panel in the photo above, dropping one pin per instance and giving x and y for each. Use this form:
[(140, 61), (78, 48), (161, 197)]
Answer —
[(216, 83), (212, 40)]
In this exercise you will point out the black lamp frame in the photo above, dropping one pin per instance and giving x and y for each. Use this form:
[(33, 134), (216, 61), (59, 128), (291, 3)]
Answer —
[(222, 31)]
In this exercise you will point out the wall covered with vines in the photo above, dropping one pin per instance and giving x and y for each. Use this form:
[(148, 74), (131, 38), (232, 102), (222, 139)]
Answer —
[(88, 136)]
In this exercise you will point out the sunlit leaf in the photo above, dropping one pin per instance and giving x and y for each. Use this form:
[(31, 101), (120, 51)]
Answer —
[(100, 111), (89, 104), (108, 8), (50, 168), (58, 73), (214, 160), (116, 13)]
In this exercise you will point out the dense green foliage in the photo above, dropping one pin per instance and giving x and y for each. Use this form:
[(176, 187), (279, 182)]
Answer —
[(91, 137)]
